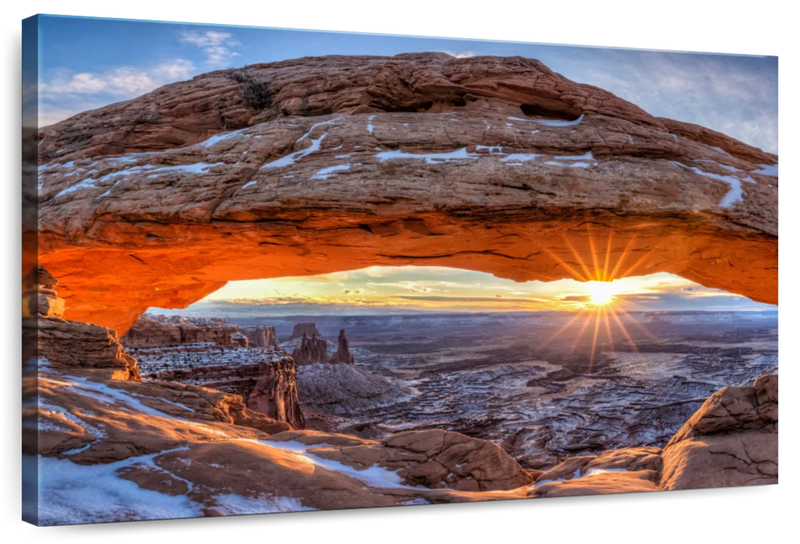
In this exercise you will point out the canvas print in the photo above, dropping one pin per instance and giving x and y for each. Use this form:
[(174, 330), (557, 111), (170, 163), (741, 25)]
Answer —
[(273, 270)]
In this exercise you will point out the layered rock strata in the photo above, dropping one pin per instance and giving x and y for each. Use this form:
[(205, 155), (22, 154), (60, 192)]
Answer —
[(39, 297), (261, 337), (485, 163), (151, 332), (268, 387), (311, 350)]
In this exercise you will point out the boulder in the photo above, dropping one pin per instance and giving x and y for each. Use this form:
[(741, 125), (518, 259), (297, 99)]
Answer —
[(731, 440), (75, 345)]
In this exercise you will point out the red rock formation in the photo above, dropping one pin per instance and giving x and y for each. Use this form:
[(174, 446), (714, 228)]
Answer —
[(39, 297), (239, 339), (72, 344), (485, 163), (261, 337), (434, 458), (731, 440), (269, 387), (343, 354), (149, 332), (311, 350), (304, 329), (275, 392)]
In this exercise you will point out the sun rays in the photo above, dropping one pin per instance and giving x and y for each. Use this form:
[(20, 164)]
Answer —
[(602, 308)]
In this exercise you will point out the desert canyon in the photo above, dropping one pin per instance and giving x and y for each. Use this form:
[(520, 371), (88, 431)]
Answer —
[(326, 164)]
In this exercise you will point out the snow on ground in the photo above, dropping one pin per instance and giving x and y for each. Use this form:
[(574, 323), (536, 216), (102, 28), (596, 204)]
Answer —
[(520, 157), (194, 168), (325, 173), (374, 476), (719, 150), (84, 184), (733, 196), (552, 122), (111, 397), (559, 123), (430, 158), (70, 493), (232, 505), (217, 138), (52, 411), (291, 158), (199, 354), (768, 170)]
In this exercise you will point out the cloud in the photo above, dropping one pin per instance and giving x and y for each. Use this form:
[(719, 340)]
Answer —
[(217, 45), (125, 81), (64, 93), (576, 298), (495, 299), (735, 95)]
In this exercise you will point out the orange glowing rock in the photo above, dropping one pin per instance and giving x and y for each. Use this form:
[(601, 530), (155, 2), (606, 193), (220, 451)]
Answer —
[(484, 163)]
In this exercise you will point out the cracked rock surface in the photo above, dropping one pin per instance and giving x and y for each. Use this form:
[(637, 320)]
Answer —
[(731, 440), (486, 163)]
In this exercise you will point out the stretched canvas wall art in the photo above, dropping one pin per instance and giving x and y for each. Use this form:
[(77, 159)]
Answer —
[(274, 270)]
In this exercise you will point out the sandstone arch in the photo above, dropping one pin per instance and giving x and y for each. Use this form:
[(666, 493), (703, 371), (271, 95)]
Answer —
[(486, 163)]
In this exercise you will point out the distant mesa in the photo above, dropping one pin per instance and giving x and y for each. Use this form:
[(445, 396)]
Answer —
[(152, 331), (305, 329), (261, 337), (158, 331)]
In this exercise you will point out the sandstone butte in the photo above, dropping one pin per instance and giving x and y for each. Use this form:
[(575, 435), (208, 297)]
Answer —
[(486, 163)]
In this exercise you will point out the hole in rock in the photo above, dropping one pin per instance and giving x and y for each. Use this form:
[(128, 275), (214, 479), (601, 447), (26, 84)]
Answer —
[(547, 370), (554, 111)]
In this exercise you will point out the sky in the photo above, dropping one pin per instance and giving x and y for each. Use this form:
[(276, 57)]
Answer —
[(86, 63), (411, 289)]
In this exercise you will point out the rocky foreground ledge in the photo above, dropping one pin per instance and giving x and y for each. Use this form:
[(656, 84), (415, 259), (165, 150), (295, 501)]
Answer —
[(110, 447), (487, 163)]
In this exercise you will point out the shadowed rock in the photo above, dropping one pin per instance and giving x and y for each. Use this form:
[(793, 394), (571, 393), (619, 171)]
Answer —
[(304, 329), (343, 354), (311, 350)]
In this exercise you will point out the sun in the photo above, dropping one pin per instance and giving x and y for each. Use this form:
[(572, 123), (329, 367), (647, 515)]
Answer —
[(601, 293)]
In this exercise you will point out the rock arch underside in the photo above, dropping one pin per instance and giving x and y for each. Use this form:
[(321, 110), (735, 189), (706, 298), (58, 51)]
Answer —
[(486, 163)]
